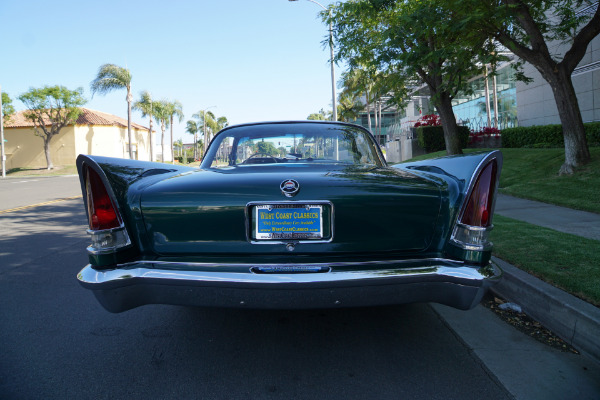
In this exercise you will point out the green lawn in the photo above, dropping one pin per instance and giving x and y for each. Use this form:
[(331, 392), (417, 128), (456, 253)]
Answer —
[(566, 261), (58, 170), (533, 174)]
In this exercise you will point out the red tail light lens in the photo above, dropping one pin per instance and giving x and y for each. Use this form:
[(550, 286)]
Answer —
[(101, 211), (479, 208)]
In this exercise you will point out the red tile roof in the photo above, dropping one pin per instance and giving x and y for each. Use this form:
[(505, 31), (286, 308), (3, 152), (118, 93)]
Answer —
[(87, 117)]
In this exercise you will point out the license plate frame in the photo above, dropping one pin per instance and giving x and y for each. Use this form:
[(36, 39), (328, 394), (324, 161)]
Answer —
[(288, 222)]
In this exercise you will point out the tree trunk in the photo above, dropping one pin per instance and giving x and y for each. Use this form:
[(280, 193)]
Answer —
[(443, 104), (47, 152), (172, 150), (577, 151), (151, 141), (129, 99), (368, 110), (162, 142)]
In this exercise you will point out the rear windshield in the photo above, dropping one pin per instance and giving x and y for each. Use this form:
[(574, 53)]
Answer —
[(268, 144)]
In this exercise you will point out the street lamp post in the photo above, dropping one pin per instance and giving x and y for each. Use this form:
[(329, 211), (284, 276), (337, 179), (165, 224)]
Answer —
[(333, 97)]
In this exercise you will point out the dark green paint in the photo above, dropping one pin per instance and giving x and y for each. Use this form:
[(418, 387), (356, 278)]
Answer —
[(185, 214)]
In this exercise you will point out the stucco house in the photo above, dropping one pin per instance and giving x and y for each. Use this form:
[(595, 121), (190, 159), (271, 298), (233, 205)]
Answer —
[(94, 132)]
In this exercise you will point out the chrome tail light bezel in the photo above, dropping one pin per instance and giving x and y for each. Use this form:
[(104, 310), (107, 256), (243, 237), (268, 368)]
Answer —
[(473, 237), (104, 241)]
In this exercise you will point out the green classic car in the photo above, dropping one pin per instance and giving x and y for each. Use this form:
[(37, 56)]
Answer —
[(290, 215)]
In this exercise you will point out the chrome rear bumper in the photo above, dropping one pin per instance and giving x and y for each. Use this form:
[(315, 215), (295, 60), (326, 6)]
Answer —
[(343, 285)]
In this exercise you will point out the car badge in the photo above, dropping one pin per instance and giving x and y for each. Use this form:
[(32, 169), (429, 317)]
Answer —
[(289, 187)]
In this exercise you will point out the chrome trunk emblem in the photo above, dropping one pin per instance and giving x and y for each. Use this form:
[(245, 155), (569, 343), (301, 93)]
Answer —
[(289, 187)]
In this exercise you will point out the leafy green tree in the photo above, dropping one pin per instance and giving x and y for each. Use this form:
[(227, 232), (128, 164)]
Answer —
[(530, 29), (411, 40), (266, 148), (162, 115), (7, 108), (144, 104), (112, 77), (174, 109), (320, 116), (50, 109)]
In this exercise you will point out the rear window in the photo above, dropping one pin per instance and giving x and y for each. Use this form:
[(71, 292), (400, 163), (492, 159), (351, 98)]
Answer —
[(268, 144)]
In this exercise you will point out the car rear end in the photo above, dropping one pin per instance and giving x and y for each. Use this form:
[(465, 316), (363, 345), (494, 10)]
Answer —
[(289, 234)]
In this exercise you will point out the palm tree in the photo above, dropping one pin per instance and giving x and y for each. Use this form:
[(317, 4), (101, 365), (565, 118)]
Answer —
[(222, 123), (209, 124), (144, 104), (162, 116), (349, 106), (174, 109), (112, 77), (193, 127), (179, 144)]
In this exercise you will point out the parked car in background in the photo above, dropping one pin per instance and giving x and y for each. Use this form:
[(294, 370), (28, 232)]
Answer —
[(290, 215)]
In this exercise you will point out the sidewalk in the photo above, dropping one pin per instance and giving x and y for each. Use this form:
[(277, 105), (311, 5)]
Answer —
[(574, 320), (580, 223), (526, 368)]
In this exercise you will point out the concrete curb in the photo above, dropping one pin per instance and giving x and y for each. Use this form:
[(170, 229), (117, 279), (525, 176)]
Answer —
[(574, 320)]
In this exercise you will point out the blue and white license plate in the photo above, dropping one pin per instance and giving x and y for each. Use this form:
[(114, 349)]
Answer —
[(288, 221)]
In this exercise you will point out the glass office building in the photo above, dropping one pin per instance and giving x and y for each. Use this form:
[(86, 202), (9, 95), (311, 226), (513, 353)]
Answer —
[(470, 108)]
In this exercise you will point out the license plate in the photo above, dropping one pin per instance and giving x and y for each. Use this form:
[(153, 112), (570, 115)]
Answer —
[(288, 221)]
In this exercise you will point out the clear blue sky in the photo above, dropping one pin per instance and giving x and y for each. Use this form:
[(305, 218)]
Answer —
[(254, 60)]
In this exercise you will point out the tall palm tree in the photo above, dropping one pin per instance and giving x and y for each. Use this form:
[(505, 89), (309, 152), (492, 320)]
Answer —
[(349, 106), (192, 127), (174, 108), (208, 122), (222, 123), (112, 77), (144, 104), (162, 116)]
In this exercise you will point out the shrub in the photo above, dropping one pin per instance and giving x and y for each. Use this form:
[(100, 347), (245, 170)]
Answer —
[(428, 120), (592, 131), (431, 138), (545, 136), (485, 138), (179, 159)]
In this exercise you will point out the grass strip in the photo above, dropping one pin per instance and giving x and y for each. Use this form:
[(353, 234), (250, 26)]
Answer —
[(566, 261), (533, 174)]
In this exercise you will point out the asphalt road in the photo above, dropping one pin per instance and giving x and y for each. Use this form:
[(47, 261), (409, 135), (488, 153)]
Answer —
[(18, 192), (56, 342)]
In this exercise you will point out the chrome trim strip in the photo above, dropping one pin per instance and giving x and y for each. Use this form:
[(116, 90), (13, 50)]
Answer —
[(288, 202), (423, 263)]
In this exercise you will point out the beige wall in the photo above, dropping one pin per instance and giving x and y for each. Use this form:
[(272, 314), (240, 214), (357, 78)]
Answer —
[(111, 141), (24, 149)]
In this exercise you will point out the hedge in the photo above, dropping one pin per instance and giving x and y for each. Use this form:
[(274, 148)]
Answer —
[(188, 159), (431, 138), (545, 135)]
